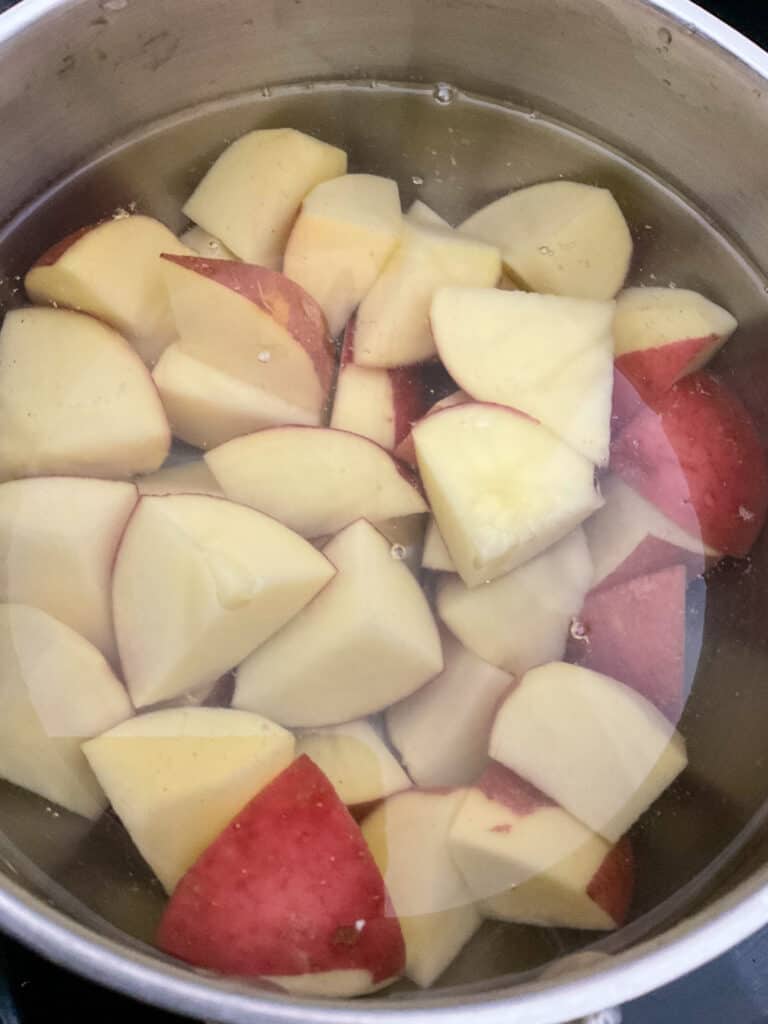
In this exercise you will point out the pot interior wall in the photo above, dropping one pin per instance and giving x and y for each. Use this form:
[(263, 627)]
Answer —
[(101, 74)]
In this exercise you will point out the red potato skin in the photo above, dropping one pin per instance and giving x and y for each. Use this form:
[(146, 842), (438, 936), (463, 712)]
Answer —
[(510, 790), (697, 456), (54, 254), (279, 892), (361, 811), (613, 884), (653, 371), (282, 299), (635, 632), (626, 402), (651, 555), (348, 345), (406, 387)]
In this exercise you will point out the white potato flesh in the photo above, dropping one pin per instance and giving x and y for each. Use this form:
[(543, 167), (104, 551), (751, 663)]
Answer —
[(522, 618), (598, 748), (367, 640), (408, 837), (56, 690), (559, 237), (77, 399), (200, 582), (313, 479), (548, 356), (250, 196), (502, 487), (177, 777), (344, 233)]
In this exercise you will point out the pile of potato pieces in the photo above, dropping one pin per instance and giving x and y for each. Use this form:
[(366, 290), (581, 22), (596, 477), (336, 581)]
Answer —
[(459, 615)]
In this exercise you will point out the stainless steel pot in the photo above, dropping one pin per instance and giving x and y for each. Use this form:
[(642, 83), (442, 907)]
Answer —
[(663, 83)]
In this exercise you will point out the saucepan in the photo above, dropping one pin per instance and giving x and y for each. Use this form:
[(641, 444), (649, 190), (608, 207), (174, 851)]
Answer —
[(109, 103)]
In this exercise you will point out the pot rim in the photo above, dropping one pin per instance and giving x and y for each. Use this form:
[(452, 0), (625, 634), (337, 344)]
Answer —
[(625, 976)]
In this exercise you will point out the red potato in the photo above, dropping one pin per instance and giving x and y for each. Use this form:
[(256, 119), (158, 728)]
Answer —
[(612, 886), (288, 889), (177, 776), (408, 837), (635, 632), (520, 619), (630, 537), (111, 271), (76, 400), (206, 407), (379, 404), (356, 760), (314, 479), (250, 196), (199, 583), (62, 563), (502, 487), (438, 746), (393, 318), (663, 334), (255, 326), (406, 450), (345, 231), (367, 641), (625, 401), (697, 456), (595, 746), (559, 237), (529, 861), (56, 690), (548, 356)]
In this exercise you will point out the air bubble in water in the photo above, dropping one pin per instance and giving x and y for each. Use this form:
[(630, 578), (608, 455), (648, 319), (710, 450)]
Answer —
[(665, 37), (417, 179), (545, 250), (266, 92), (398, 552), (444, 93), (114, 5), (533, 115), (264, 357)]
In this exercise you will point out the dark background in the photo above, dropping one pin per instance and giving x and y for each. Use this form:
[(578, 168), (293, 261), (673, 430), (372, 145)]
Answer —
[(732, 990)]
